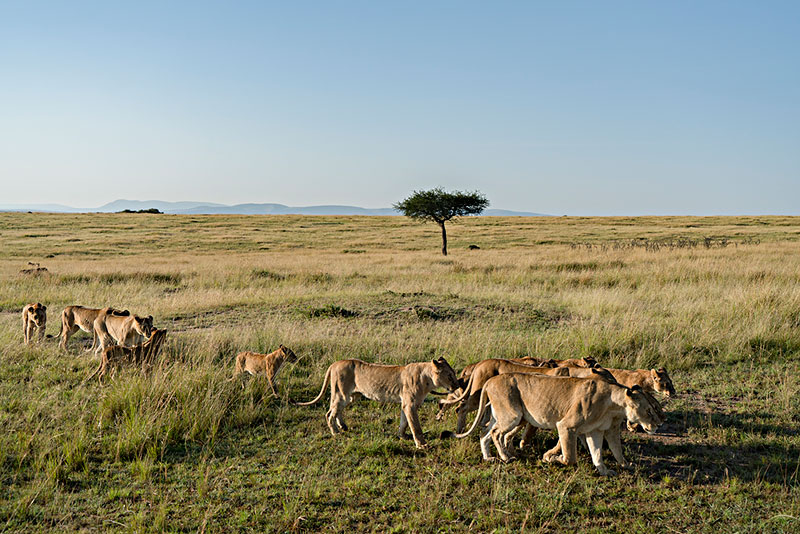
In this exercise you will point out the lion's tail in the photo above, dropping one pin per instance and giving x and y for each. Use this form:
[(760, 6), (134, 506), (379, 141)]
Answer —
[(64, 320), (321, 391), (464, 394), (478, 417)]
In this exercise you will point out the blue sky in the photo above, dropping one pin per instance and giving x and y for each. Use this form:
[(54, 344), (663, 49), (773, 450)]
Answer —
[(580, 108)]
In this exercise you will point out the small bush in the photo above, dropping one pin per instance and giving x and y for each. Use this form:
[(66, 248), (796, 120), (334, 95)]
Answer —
[(331, 310), (268, 275)]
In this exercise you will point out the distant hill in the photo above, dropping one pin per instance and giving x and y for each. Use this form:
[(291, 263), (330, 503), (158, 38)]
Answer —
[(202, 208)]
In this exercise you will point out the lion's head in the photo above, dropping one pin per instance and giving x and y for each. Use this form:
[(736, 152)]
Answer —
[(662, 381), (38, 314), (143, 325), (287, 353), (640, 410), (444, 376)]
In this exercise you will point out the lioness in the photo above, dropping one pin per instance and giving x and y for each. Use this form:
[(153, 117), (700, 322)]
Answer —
[(75, 318), (127, 331), (445, 404), (142, 354), (268, 364), (405, 384), (34, 317), (648, 379), (573, 406), (483, 371)]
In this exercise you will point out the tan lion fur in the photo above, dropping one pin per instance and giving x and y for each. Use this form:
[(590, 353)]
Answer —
[(407, 385), (572, 406), (143, 354), (34, 317), (128, 331), (267, 364), (75, 318)]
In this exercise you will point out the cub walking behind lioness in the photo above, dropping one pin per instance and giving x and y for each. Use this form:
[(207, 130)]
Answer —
[(405, 384), (267, 364), (34, 317), (143, 354)]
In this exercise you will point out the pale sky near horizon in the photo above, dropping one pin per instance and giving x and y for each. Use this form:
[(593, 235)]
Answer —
[(579, 108)]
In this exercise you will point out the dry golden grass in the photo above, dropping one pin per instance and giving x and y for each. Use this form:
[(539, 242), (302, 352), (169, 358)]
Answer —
[(715, 299)]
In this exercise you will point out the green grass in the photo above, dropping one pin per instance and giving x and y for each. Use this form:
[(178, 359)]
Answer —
[(187, 449)]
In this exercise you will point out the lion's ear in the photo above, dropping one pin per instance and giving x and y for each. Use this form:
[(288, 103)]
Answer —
[(653, 373), (150, 318), (629, 392), (44, 308)]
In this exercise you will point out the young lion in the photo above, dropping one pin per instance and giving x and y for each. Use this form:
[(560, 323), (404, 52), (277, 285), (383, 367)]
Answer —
[(405, 384), (34, 317), (75, 318), (268, 364), (142, 354)]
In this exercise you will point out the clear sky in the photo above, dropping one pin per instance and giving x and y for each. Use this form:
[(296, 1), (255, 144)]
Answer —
[(580, 108)]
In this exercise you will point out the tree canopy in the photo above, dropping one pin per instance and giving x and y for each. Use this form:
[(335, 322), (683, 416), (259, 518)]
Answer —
[(440, 206)]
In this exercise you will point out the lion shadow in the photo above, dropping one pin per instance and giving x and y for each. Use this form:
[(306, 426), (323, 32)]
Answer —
[(764, 452)]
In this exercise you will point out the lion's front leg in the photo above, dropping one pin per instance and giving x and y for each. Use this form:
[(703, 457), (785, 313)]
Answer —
[(615, 444), (410, 412), (41, 331), (26, 331), (568, 439)]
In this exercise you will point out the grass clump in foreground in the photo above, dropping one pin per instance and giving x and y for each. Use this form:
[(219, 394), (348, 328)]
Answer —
[(186, 448)]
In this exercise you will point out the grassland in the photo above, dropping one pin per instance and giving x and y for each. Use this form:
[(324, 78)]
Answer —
[(716, 300)]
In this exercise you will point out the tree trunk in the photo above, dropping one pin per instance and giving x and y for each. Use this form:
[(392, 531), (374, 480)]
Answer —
[(444, 239)]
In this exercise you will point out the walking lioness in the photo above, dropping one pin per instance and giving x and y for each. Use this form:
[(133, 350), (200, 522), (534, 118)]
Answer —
[(573, 406), (405, 384), (34, 317), (267, 364), (128, 330), (75, 318)]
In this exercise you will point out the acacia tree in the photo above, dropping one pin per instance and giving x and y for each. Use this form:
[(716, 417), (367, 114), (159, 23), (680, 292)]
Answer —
[(439, 206)]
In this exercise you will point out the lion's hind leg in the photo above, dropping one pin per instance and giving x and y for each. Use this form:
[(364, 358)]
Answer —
[(505, 425), (339, 401)]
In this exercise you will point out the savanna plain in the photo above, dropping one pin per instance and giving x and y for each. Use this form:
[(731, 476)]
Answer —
[(716, 300)]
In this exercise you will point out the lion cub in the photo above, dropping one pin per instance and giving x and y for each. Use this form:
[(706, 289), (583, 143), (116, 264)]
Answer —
[(142, 354), (267, 364), (34, 317)]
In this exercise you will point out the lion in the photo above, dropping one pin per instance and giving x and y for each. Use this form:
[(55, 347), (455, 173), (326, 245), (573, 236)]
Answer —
[(572, 406), (34, 317), (142, 354), (405, 384), (526, 360), (75, 318), (268, 364), (648, 379), (127, 330), (482, 372)]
